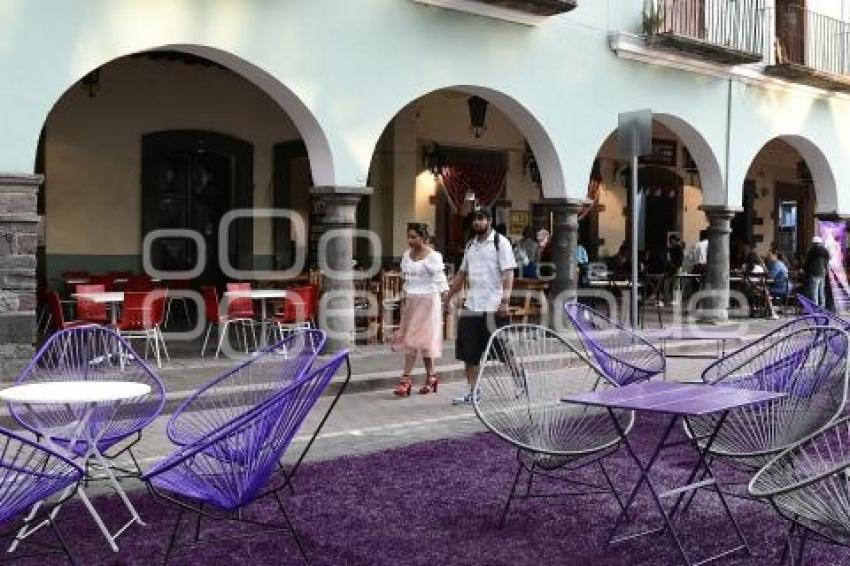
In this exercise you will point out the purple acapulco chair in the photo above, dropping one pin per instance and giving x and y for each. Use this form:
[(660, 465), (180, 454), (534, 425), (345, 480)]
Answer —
[(29, 475), (622, 355), (248, 385), (808, 364), (245, 386), (808, 485), (205, 472), (91, 353), (810, 308)]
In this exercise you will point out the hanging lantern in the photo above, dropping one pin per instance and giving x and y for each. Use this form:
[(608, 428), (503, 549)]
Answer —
[(477, 115)]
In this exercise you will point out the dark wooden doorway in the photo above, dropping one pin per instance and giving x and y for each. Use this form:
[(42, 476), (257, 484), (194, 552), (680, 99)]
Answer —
[(791, 31), (190, 179), (792, 210), (292, 180)]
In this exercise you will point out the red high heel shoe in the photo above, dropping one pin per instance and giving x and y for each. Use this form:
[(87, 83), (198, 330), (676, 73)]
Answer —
[(430, 385), (404, 386)]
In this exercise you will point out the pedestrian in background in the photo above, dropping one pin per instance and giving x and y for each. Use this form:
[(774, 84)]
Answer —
[(421, 329), (488, 267), (817, 262)]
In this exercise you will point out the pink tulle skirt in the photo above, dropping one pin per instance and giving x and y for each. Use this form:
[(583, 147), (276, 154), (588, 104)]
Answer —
[(421, 330)]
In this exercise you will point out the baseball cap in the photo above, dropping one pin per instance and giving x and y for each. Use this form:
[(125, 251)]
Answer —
[(481, 211)]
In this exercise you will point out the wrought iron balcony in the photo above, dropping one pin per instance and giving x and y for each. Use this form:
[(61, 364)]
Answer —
[(729, 32), (809, 48)]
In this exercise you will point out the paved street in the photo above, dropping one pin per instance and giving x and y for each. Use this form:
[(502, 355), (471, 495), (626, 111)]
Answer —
[(377, 420)]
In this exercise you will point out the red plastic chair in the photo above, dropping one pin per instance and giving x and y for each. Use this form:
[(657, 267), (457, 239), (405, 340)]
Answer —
[(57, 318), (180, 285), (138, 283), (299, 310), (88, 310), (141, 319), (223, 322), (108, 281), (240, 307)]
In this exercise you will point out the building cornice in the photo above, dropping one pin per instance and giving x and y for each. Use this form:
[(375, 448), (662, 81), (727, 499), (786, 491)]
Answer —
[(634, 47)]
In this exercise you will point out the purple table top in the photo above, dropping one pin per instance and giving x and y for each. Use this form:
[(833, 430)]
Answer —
[(689, 399)]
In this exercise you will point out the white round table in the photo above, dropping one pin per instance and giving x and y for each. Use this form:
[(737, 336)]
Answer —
[(62, 392), (261, 295), (90, 393)]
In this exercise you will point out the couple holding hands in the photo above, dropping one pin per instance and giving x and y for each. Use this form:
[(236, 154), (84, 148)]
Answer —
[(488, 266)]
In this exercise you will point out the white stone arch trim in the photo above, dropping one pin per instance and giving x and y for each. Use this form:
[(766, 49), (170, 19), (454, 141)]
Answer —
[(318, 147), (710, 174), (548, 160), (823, 178)]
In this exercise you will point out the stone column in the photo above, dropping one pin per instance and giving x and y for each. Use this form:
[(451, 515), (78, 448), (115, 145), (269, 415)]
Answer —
[(717, 278), (18, 239), (335, 257), (564, 242)]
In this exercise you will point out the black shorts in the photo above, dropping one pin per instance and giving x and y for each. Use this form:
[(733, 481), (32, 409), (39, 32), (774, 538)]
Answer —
[(473, 333)]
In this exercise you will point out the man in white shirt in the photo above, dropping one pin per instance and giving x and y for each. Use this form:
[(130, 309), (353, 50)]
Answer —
[(700, 254), (488, 266)]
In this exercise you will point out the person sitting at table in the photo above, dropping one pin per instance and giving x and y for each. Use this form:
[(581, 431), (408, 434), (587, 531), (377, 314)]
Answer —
[(529, 246), (753, 266), (583, 264), (700, 254), (778, 271), (675, 260)]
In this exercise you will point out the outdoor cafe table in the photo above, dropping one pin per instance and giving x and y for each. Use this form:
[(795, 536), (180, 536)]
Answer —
[(677, 401), (89, 394), (113, 298), (262, 295), (665, 335)]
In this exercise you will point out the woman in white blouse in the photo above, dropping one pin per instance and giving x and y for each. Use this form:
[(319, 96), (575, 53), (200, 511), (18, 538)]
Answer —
[(421, 331)]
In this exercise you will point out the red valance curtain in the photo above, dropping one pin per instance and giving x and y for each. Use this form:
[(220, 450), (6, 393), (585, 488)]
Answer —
[(486, 181)]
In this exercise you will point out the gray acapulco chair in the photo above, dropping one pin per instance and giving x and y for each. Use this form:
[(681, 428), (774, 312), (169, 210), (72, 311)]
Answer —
[(525, 372), (809, 484), (808, 363)]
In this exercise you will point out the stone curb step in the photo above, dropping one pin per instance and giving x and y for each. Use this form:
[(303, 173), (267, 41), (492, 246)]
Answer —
[(452, 371)]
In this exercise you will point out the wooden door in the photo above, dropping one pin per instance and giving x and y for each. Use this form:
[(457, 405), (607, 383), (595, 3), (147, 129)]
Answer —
[(791, 31), (792, 208), (190, 179)]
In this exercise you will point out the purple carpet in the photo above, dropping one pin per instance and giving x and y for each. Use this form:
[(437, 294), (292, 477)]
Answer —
[(438, 503)]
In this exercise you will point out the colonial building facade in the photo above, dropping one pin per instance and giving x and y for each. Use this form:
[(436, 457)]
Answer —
[(120, 118)]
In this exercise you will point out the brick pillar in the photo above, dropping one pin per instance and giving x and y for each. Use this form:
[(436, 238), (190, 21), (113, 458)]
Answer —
[(340, 214), (18, 239), (564, 243), (717, 278)]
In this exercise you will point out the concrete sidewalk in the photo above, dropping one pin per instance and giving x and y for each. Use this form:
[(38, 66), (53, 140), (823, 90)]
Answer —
[(376, 367)]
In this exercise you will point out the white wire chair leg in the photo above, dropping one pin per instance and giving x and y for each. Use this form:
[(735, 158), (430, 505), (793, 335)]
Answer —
[(254, 336), (206, 339), (152, 336), (222, 331), (162, 342), (244, 335)]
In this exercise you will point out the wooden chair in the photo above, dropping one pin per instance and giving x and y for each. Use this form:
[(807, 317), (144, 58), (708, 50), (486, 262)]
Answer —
[(390, 297), (315, 279), (527, 302)]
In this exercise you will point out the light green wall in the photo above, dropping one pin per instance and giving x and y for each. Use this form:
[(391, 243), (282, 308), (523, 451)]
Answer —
[(342, 69)]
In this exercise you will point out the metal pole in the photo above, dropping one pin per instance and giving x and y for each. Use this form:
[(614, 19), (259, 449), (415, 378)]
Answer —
[(634, 294)]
